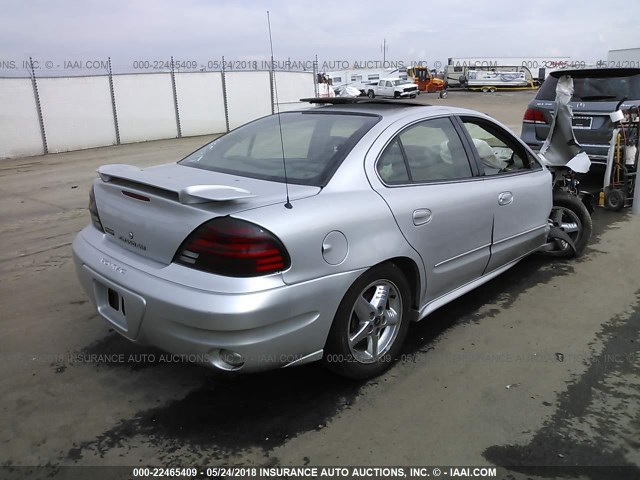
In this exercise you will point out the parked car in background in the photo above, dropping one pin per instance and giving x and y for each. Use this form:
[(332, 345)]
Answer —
[(317, 234), (393, 88), (597, 93)]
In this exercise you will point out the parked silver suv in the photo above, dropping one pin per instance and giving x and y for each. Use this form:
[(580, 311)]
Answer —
[(597, 93)]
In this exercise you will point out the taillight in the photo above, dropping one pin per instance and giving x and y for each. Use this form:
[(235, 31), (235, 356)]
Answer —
[(533, 115), (93, 211), (232, 247)]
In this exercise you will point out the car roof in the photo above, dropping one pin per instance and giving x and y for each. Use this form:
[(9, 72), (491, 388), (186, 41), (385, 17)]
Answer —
[(362, 100), (386, 108)]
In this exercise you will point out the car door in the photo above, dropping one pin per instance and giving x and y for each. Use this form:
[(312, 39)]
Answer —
[(444, 212), (520, 190), (388, 89)]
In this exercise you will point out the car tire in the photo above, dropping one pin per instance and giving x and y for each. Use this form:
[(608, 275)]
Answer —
[(572, 216), (614, 199), (370, 94), (364, 344), (396, 95)]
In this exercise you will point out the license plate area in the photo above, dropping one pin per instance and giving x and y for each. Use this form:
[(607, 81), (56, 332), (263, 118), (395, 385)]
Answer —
[(116, 301), (119, 306), (110, 303), (581, 123)]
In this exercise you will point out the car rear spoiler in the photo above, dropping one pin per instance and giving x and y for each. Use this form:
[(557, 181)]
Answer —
[(188, 195)]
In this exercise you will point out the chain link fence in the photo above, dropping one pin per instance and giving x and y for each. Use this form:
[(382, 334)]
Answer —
[(48, 114)]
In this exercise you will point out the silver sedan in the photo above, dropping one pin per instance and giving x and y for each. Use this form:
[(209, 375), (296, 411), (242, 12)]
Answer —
[(317, 234)]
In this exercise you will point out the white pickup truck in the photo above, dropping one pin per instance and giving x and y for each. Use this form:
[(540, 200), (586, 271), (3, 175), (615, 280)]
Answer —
[(392, 87)]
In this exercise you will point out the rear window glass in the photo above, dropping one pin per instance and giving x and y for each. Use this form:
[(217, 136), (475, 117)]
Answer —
[(604, 86), (315, 143)]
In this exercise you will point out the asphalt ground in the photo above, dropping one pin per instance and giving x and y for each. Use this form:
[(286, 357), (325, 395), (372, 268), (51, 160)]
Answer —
[(539, 367)]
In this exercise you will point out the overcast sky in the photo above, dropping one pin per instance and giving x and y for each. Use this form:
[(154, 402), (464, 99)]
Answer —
[(415, 30)]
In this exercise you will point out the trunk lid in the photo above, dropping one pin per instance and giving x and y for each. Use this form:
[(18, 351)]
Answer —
[(151, 211)]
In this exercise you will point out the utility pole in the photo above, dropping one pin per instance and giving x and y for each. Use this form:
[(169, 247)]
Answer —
[(384, 50)]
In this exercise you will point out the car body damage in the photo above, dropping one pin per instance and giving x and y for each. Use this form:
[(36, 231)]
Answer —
[(561, 148)]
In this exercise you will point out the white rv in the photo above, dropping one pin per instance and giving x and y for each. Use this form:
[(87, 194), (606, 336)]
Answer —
[(536, 68), (361, 78), (495, 78)]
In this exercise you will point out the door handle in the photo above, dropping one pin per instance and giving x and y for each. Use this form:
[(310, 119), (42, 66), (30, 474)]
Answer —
[(505, 198), (422, 216)]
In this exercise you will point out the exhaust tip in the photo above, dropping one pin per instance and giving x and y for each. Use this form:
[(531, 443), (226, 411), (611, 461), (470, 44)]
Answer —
[(226, 360)]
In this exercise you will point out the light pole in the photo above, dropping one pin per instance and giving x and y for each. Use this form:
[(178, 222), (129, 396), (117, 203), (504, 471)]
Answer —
[(384, 47)]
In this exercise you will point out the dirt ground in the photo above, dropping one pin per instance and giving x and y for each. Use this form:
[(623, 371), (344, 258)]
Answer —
[(538, 367)]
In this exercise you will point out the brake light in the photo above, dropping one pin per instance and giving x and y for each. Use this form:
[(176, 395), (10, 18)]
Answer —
[(93, 211), (533, 115), (232, 247)]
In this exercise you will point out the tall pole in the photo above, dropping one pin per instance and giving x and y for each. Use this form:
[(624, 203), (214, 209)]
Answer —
[(36, 94), (315, 77), (113, 103), (175, 98), (384, 51), (225, 100)]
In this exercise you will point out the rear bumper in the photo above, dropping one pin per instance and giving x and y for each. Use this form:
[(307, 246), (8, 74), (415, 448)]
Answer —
[(270, 328), (597, 153)]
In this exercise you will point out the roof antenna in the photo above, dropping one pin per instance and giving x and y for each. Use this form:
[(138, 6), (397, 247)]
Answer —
[(275, 87)]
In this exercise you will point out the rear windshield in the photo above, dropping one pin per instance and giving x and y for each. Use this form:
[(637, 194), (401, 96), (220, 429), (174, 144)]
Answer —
[(604, 86), (315, 143)]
